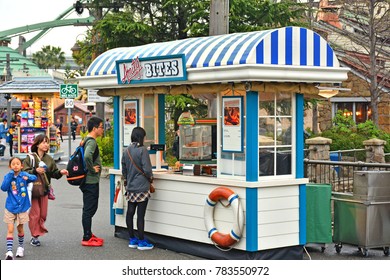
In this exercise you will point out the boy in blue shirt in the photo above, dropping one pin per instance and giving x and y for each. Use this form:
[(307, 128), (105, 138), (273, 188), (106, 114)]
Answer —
[(17, 204)]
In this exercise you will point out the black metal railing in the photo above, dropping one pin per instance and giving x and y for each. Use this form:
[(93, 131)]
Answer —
[(338, 173)]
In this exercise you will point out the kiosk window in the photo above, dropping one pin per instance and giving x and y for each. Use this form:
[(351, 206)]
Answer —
[(275, 134)]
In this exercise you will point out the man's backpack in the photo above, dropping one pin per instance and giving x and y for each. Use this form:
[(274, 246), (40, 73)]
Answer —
[(76, 165)]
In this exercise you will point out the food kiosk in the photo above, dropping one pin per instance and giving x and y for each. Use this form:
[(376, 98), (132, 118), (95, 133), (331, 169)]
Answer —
[(36, 116), (257, 81)]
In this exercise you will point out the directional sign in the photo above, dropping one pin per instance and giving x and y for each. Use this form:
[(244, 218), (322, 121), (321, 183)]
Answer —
[(69, 91), (69, 103)]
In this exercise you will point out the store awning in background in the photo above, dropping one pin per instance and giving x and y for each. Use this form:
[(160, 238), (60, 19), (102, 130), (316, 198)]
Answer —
[(31, 85), (292, 54)]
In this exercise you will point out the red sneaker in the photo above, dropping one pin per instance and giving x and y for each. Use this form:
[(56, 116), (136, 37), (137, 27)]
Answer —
[(97, 238), (92, 242)]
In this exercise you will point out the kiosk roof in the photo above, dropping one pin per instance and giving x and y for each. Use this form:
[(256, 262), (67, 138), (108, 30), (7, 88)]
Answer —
[(291, 48)]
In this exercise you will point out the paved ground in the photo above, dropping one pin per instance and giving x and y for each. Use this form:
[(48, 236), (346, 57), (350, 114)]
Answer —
[(65, 231)]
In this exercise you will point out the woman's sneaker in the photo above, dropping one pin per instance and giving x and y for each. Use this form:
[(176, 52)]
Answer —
[(35, 242), (20, 252), (133, 243), (9, 255), (144, 245)]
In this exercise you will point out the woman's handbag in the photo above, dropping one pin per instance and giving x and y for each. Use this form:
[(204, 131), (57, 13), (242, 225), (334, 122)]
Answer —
[(39, 187), (152, 189)]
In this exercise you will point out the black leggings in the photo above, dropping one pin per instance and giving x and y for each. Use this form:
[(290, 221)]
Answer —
[(141, 210)]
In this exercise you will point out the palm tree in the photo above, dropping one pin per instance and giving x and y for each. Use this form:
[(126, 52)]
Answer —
[(49, 57)]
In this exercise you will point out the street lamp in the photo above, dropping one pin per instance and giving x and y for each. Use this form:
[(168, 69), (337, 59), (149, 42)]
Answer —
[(76, 49)]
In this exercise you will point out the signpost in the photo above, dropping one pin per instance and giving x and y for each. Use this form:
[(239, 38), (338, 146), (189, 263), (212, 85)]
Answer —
[(69, 91)]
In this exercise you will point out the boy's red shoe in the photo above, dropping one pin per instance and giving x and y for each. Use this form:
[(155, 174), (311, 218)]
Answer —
[(92, 242), (97, 238)]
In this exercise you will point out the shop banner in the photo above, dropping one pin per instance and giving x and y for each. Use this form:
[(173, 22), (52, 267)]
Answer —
[(232, 129), (149, 70), (130, 119)]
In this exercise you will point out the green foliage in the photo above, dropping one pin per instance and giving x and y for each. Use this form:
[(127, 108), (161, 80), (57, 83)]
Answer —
[(148, 21), (106, 148), (346, 135), (49, 57), (251, 15)]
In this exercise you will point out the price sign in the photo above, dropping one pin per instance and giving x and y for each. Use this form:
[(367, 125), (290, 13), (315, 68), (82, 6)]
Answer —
[(69, 103)]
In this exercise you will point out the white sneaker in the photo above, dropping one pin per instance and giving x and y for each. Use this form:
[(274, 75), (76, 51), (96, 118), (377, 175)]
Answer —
[(20, 252), (9, 255)]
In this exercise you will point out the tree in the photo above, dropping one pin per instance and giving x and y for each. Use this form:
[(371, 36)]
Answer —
[(146, 21), (370, 45), (49, 57), (252, 15)]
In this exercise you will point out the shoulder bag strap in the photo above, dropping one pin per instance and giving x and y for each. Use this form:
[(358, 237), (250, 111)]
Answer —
[(131, 158), (39, 160)]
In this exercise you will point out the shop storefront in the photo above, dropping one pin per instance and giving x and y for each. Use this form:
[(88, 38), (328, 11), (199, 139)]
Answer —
[(257, 82), (36, 115)]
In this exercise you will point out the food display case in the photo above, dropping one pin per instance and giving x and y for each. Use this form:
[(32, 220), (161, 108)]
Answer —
[(197, 142)]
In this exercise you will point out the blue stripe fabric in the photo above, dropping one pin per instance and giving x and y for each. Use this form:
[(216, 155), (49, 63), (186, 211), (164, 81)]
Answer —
[(317, 50), (282, 47), (329, 56), (289, 46), (303, 46), (274, 47)]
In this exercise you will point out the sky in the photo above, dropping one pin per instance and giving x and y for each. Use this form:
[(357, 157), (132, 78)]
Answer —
[(18, 13)]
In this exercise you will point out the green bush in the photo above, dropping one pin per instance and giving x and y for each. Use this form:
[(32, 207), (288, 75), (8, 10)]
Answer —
[(346, 135), (106, 147)]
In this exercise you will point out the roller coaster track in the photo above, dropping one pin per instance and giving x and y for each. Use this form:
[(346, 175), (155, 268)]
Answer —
[(45, 27)]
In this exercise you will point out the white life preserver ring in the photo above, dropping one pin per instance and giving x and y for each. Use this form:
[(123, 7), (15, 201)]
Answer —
[(222, 239)]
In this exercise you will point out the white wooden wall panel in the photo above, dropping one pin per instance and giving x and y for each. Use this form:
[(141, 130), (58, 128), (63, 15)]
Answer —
[(278, 241), (278, 217)]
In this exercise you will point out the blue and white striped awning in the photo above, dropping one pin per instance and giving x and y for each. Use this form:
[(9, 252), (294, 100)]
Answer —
[(289, 47)]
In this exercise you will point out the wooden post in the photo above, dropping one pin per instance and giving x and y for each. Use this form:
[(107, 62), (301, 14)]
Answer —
[(219, 17)]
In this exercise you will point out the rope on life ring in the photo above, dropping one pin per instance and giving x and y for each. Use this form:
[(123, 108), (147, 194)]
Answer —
[(222, 239)]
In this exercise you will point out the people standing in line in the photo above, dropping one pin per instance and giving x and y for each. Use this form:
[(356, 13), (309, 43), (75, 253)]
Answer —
[(138, 175), (90, 188), (59, 127), (39, 206), (16, 205), (73, 128)]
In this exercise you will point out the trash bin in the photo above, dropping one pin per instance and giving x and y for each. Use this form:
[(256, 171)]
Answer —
[(363, 218), (318, 214), (335, 157)]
